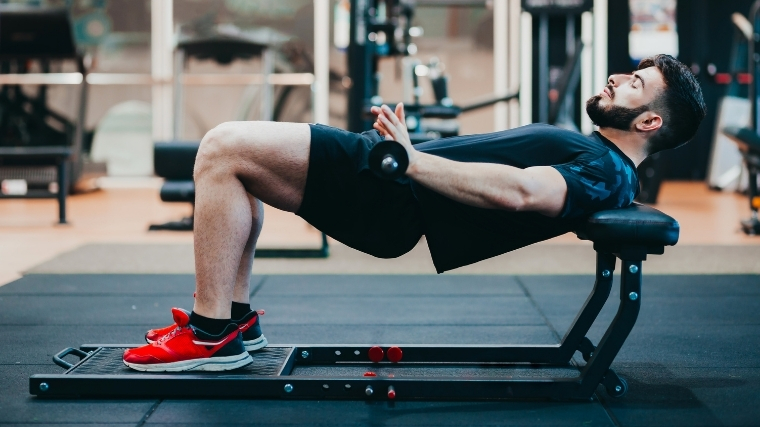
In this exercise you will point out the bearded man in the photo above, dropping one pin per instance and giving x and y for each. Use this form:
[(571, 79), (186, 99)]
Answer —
[(473, 197)]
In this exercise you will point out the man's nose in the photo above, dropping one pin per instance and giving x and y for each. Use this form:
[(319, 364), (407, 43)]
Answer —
[(616, 79)]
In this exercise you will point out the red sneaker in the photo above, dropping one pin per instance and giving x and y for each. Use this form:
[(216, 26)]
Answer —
[(187, 348), (249, 325)]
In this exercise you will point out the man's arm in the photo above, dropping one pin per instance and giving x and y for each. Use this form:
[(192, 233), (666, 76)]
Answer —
[(492, 186)]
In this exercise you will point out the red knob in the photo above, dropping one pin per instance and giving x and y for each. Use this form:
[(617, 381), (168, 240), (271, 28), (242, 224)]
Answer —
[(391, 393), (370, 374), (395, 354), (376, 354)]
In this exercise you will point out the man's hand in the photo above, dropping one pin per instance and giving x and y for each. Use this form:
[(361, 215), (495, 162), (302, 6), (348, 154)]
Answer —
[(392, 125)]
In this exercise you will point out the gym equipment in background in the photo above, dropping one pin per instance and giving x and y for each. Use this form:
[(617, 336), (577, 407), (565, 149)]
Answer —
[(40, 149), (383, 28), (747, 139), (413, 372), (748, 142), (725, 171), (174, 161)]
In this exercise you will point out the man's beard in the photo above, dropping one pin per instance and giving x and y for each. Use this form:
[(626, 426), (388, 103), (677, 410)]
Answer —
[(613, 116)]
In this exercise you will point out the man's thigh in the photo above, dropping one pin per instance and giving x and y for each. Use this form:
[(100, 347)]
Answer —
[(348, 202), (269, 158)]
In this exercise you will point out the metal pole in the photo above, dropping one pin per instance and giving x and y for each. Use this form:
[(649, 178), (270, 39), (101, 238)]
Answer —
[(543, 68), (500, 65), (587, 64), (179, 112), (569, 104), (161, 47), (62, 189), (526, 69), (600, 43), (267, 94), (358, 68), (514, 62), (321, 86)]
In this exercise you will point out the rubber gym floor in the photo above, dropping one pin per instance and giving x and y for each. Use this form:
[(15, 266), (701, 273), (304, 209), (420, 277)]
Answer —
[(691, 360)]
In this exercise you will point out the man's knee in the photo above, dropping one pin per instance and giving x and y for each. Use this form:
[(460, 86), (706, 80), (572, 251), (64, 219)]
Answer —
[(219, 149)]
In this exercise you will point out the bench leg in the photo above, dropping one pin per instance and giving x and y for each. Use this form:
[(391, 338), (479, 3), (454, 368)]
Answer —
[(605, 266), (598, 366), (62, 190)]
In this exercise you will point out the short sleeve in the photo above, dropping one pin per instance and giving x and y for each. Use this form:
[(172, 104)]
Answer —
[(600, 184)]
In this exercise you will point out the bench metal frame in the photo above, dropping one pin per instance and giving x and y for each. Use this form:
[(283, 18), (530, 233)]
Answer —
[(58, 156), (227, 384)]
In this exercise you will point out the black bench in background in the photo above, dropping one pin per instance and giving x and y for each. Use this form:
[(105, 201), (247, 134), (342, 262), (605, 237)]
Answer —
[(175, 161), (42, 156)]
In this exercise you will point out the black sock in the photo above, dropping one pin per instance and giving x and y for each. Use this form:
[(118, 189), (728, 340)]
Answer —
[(240, 309), (209, 325)]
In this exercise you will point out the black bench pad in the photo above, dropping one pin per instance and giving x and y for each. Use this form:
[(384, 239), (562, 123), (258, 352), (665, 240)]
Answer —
[(175, 160), (634, 225), (178, 191)]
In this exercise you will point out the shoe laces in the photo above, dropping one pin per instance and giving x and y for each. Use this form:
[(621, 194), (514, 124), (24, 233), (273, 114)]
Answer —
[(170, 335)]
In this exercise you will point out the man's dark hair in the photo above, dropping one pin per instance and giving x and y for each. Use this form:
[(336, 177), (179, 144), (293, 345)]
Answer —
[(680, 104)]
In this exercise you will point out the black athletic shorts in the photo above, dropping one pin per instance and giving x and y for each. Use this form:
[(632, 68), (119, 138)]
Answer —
[(346, 201)]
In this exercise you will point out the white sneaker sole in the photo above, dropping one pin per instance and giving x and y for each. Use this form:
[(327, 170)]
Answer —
[(256, 344), (215, 364)]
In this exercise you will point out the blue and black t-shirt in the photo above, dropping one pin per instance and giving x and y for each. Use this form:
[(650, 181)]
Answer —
[(598, 175)]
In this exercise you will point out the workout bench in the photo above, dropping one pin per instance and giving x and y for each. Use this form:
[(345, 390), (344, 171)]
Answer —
[(409, 372)]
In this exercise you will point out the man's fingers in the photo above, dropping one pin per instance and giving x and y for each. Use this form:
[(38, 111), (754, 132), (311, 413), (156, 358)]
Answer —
[(391, 116), (400, 113), (380, 128), (390, 127)]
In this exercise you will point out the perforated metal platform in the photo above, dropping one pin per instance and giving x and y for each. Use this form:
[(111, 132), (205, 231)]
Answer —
[(323, 372), (108, 361)]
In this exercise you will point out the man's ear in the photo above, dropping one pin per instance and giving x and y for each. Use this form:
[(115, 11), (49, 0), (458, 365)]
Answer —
[(648, 121)]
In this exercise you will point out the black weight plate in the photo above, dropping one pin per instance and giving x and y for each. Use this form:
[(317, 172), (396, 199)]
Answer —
[(382, 149)]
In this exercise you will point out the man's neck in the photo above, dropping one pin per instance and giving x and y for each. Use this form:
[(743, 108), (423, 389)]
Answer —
[(631, 144)]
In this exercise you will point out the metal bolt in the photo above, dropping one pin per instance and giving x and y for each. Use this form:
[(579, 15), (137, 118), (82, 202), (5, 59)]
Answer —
[(44, 386), (337, 352), (618, 388), (288, 388), (325, 386), (347, 386), (633, 296), (357, 352), (304, 354), (606, 273), (389, 164), (368, 391), (633, 269), (590, 355)]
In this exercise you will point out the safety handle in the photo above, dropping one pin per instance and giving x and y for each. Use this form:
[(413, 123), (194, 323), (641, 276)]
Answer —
[(58, 358)]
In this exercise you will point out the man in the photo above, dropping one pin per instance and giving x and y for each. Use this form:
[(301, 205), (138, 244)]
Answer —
[(473, 197)]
